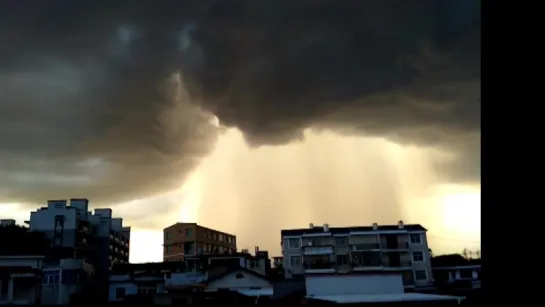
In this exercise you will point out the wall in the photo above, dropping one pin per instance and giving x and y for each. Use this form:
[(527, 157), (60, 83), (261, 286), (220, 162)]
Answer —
[(130, 289), (63, 279), (205, 239), (426, 264), (231, 282), (186, 278), (174, 238), (35, 262), (354, 284), (211, 236), (288, 252), (28, 296), (44, 221)]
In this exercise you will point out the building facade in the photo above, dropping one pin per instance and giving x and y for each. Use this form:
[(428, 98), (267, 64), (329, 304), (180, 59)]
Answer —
[(191, 239), (76, 233), (392, 248)]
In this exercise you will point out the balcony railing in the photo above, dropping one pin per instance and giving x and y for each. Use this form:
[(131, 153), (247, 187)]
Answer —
[(319, 265), (365, 246), (368, 264), (399, 245), (317, 250), (402, 264)]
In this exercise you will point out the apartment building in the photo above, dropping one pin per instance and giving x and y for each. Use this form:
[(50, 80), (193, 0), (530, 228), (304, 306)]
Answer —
[(76, 233), (191, 239), (393, 248)]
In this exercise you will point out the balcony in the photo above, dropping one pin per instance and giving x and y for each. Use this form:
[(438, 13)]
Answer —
[(319, 267), (403, 265), (317, 250), (365, 247), (400, 246), (367, 267), (83, 229), (366, 260)]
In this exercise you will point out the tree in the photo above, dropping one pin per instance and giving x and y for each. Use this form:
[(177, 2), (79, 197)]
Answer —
[(18, 240)]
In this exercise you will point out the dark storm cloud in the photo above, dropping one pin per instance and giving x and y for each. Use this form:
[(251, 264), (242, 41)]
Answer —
[(88, 104)]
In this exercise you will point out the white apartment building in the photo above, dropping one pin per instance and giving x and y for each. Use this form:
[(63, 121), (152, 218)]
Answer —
[(74, 227), (378, 248), (76, 233)]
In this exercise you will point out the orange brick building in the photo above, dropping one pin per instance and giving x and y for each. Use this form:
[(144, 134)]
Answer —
[(190, 239)]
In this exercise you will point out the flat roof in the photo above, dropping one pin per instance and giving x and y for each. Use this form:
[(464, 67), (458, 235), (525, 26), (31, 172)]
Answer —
[(384, 298), (458, 267)]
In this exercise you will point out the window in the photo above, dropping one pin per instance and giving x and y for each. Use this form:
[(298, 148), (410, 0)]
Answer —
[(342, 259), (294, 243), (420, 275), (52, 279), (169, 249), (340, 241), (168, 235), (418, 256), (466, 273), (295, 260), (146, 289), (221, 237), (416, 239), (119, 292), (188, 232)]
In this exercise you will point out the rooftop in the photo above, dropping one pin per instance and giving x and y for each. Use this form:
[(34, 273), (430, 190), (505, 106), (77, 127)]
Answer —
[(347, 230), (385, 298), (180, 224)]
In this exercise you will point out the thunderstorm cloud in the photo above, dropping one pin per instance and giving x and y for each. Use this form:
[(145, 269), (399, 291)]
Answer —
[(119, 100)]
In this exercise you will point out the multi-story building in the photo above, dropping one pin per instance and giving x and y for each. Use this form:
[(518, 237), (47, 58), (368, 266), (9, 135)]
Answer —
[(76, 233), (393, 248), (190, 239)]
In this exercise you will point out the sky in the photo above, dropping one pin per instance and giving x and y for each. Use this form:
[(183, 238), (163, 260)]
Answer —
[(245, 116)]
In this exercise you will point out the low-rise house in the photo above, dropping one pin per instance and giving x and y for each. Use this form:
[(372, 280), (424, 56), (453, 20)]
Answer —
[(22, 258), (236, 285), (143, 279), (456, 274), (20, 285), (365, 288), (64, 278), (60, 275), (179, 282)]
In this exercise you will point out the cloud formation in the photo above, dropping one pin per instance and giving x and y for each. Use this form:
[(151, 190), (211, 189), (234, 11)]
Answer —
[(115, 100)]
